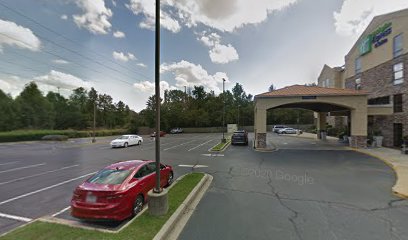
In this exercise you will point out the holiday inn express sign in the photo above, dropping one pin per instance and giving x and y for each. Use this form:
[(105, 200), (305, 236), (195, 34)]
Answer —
[(376, 38)]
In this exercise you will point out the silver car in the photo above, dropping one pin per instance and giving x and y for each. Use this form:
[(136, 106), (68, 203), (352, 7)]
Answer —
[(288, 131)]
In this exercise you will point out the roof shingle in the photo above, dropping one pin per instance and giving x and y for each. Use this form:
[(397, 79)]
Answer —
[(301, 90)]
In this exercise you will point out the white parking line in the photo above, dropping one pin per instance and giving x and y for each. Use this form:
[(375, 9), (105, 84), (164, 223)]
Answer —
[(59, 212), (39, 174), (19, 168), (200, 145), (44, 189), (180, 145), (8, 163), (17, 218)]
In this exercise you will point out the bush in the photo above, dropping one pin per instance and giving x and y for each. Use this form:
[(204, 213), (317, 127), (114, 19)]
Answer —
[(55, 138), (34, 135)]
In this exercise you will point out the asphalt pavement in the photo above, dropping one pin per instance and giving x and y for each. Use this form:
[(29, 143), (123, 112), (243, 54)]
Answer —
[(304, 190)]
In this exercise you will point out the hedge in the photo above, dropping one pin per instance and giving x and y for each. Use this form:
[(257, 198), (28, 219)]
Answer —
[(33, 135)]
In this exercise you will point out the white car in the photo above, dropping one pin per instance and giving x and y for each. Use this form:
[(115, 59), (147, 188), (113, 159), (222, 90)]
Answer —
[(126, 140), (288, 131)]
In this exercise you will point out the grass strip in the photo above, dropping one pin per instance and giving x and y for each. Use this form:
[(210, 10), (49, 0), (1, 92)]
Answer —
[(220, 146), (143, 228)]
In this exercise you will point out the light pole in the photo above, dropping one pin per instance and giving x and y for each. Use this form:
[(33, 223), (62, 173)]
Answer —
[(157, 88), (223, 110), (158, 201)]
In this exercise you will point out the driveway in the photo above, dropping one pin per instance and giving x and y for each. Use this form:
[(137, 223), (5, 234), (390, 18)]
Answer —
[(304, 190)]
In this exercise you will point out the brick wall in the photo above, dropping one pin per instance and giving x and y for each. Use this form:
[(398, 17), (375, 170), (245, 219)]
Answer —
[(378, 82)]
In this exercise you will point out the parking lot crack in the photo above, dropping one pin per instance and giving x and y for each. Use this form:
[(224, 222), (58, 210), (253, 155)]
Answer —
[(294, 215)]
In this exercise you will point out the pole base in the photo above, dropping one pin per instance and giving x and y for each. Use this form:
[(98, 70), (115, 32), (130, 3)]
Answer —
[(158, 203)]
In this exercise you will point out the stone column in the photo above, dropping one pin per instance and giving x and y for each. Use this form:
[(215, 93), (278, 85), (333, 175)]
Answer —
[(358, 128), (321, 123), (260, 128)]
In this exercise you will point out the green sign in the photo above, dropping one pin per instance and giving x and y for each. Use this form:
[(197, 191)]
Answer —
[(376, 38), (366, 45)]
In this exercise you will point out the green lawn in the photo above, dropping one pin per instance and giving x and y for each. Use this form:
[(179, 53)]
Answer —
[(143, 228)]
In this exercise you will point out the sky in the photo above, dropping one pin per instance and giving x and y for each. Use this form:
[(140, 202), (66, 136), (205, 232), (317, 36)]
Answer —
[(109, 44)]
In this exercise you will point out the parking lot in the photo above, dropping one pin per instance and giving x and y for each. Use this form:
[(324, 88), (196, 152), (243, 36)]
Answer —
[(304, 190), (38, 178)]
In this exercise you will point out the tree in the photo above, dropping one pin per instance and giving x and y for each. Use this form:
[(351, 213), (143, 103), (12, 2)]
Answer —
[(35, 110), (8, 113)]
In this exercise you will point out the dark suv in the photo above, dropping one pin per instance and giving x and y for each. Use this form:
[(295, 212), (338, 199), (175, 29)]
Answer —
[(239, 137)]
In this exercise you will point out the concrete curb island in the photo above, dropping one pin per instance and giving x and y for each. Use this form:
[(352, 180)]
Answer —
[(173, 227), (170, 230), (396, 161)]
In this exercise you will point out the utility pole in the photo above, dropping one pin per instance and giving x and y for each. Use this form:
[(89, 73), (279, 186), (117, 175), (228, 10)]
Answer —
[(94, 121), (223, 109)]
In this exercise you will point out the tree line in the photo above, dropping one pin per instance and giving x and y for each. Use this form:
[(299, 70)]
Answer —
[(197, 108), (32, 110)]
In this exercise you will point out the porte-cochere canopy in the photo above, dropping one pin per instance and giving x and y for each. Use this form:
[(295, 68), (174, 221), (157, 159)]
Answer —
[(318, 99)]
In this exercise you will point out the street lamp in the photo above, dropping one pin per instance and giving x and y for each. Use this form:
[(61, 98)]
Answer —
[(158, 201), (157, 188), (223, 110)]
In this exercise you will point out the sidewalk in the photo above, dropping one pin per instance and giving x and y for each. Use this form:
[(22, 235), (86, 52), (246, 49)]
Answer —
[(397, 161)]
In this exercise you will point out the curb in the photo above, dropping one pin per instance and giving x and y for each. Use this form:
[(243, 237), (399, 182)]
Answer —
[(222, 150), (175, 225), (394, 191)]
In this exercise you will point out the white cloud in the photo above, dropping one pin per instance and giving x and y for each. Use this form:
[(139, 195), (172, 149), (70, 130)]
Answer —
[(62, 80), (114, 3), (147, 8), (124, 57), (95, 17), (119, 34), (218, 52), (142, 65), (60, 61), (224, 15), (149, 87), (189, 74), (354, 16), (64, 17), (16, 35)]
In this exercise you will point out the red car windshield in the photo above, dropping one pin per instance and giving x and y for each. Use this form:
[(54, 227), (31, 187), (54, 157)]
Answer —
[(110, 176)]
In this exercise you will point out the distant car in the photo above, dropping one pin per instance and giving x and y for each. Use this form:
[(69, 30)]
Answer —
[(118, 191), (289, 131), (176, 130), (276, 128), (162, 134), (239, 137), (126, 140)]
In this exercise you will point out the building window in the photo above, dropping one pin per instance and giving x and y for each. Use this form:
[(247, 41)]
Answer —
[(379, 101), (357, 65), (397, 47), (398, 73), (358, 84), (398, 103)]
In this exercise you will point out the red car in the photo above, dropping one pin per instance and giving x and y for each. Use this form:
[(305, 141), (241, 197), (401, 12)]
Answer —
[(162, 134), (118, 191)]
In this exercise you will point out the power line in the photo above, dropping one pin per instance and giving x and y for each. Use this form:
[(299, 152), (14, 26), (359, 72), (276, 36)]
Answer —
[(58, 56), (70, 40)]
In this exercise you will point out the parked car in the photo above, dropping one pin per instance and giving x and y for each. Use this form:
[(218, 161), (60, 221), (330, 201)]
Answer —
[(126, 140), (289, 131), (239, 137), (118, 191), (162, 134), (276, 128), (176, 130)]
